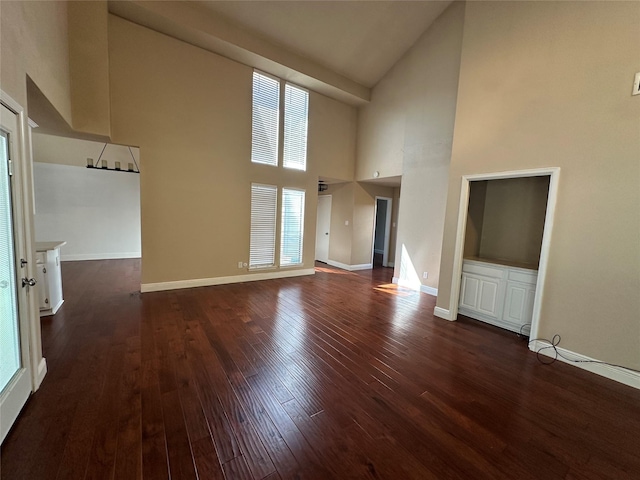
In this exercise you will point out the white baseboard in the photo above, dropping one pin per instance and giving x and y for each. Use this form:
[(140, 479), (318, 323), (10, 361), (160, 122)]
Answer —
[(422, 288), (429, 290), (350, 268), (619, 374), (391, 264), (42, 371), (443, 313), (99, 256), (206, 282)]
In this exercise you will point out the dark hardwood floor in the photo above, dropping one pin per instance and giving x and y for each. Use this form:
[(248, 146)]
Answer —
[(337, 375)]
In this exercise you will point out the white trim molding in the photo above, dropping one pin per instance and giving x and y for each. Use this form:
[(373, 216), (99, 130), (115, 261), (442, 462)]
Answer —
[(618, 374), (98, 256), (463, 207), (350, 268), (443, 313), (429, 290), (422, 288), (207, 282), (42, 371)]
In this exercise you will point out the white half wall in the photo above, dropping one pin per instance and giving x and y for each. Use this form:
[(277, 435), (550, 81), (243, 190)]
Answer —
[(96, 212)]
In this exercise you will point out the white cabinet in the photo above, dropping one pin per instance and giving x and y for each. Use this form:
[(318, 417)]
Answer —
[(49, 279), (502, 295)]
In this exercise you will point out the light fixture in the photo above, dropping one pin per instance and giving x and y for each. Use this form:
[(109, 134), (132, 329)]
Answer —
[(104, 165)]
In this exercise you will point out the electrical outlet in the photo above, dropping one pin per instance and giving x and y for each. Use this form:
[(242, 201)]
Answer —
[(425, 274), (240, 264), (636, 85)]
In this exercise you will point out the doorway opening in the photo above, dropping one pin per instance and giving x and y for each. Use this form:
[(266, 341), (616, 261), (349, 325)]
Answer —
[(381, 232), (323, 228), (485, 293)]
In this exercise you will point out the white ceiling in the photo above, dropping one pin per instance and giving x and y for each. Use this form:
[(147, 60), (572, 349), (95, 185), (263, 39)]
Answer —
[(360, 40)]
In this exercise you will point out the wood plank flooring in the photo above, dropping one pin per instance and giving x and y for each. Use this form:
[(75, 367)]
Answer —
[(337, 375)]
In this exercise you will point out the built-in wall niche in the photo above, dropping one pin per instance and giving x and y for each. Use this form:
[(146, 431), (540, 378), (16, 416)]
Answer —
[(505, 224), (505, 220)]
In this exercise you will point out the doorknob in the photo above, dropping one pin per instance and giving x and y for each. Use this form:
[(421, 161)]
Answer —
[(28, 281), (327, 233), (4, 284)]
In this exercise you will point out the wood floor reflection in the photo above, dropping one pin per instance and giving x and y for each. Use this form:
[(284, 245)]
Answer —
[(336, 375)]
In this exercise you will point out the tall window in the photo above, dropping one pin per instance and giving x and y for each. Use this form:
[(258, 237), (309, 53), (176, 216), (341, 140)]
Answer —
[(296, 105), (292, 226), (262, 248), (267, 107), (266, 119)]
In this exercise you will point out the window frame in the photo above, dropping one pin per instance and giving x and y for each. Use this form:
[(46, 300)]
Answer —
[(274, 237), (305, 135), (283, 226), (258, 148)]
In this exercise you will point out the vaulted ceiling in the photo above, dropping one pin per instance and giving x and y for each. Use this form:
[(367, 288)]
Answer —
[(339, 48), (358, 39)]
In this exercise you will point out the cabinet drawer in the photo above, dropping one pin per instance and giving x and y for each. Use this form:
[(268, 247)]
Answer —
[(523, 276), (484, 270)]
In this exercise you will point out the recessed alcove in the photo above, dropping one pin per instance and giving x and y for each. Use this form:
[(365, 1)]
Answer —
[(502, 244), (505, 220)]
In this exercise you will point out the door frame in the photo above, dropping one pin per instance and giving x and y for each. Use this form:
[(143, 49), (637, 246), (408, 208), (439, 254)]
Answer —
[(387, 230), (318, 216), (554, 178), (30, 340)]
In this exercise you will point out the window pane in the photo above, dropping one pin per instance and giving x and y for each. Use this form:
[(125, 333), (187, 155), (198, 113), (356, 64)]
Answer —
[(266, 114), (296, 102), (292, 226), (262, 247)]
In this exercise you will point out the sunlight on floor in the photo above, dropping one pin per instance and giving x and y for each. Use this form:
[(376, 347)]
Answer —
[(333, 270), (393, 289)]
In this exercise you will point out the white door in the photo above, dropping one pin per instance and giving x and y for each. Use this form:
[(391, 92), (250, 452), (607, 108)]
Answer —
[(15, 376), (323, 228)]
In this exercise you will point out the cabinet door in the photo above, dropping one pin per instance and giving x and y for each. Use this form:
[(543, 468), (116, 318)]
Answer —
[(489, 295), (42, 286), (470, 291), (481, 294), (518, 306)]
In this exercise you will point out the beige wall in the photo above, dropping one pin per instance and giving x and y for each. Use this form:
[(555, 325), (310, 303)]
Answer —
[(189, 111), (341, 212), (513, 219), (475, 218), (337, 122), (354, 202), (34, 43), (364, 220), (89, 66), (408, 129), (548, 84)]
